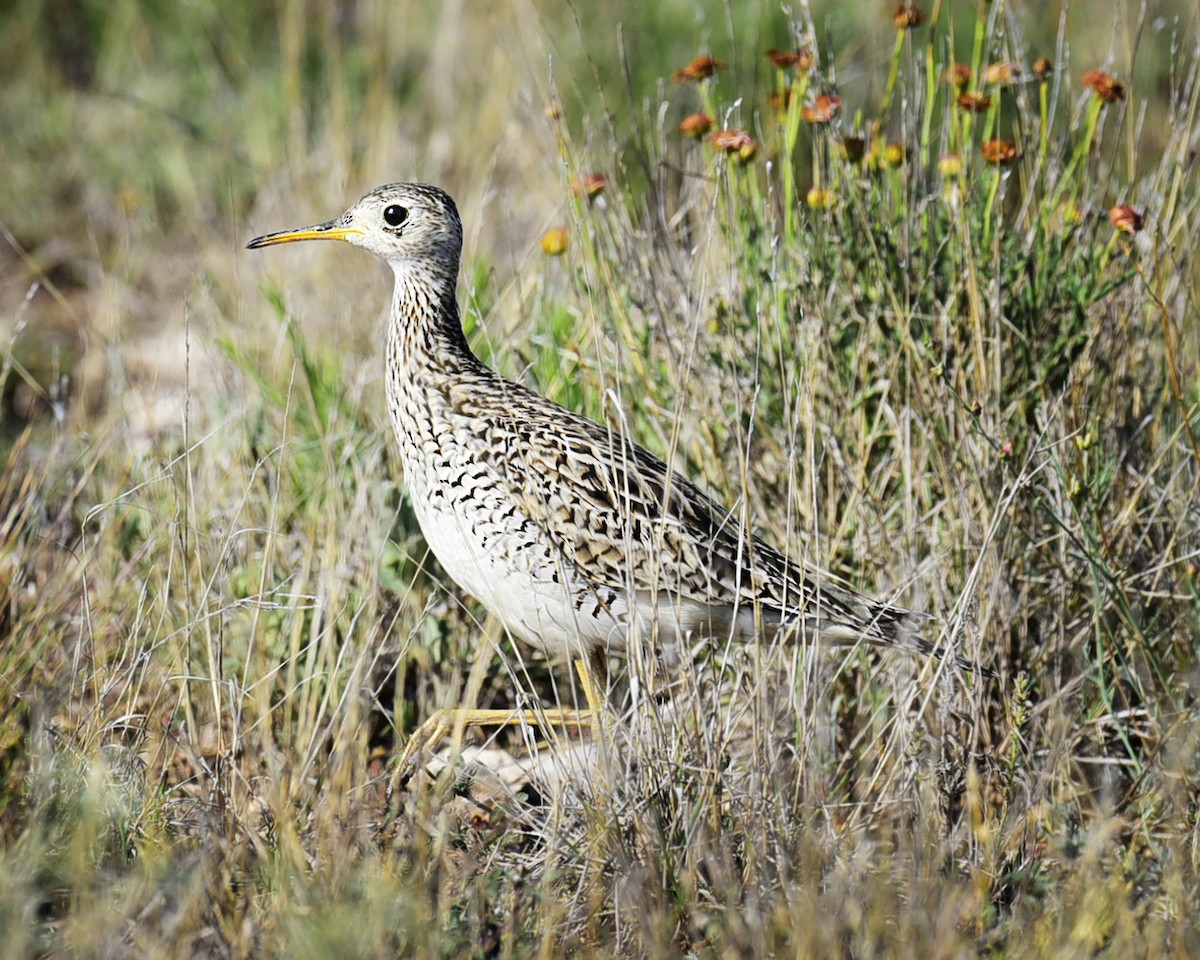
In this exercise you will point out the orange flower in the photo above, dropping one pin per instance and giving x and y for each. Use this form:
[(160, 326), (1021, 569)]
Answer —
[(959, 76), (589, 185), (1042, 67), (699, 69), (1126, 219), (823, 109), (554, 242), (1003, 73), (801, 58), (696, 125), (1106, 87), (734, 141), (1000, 152), (906, 16), (973, 102)]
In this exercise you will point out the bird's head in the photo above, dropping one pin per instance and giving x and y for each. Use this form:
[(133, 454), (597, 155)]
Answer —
[(407, 224)]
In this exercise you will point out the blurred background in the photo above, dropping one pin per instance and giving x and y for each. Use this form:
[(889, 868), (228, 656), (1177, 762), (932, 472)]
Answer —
[(144, 142)]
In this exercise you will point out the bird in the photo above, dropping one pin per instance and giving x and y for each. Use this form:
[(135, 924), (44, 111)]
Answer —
[(570, 533)]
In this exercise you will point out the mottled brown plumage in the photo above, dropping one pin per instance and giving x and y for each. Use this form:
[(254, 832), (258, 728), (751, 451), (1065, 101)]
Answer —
[(569, 532)]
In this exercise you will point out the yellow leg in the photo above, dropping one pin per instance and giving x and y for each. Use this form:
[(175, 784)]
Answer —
[(456, 719), (589, 673)]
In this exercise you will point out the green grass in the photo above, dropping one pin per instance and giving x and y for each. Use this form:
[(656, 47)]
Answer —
[(950, 382)]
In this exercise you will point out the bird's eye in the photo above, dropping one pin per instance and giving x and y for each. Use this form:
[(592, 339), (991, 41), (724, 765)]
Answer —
[(395, 215)]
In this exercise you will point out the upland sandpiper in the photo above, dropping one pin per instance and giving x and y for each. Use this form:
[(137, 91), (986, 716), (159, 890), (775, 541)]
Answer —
[(566, 530)]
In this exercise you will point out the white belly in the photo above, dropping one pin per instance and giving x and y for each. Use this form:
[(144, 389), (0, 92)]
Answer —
[(513, 570)]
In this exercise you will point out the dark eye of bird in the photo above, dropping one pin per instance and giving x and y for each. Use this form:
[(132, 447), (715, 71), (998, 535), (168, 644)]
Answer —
[(395, 215)]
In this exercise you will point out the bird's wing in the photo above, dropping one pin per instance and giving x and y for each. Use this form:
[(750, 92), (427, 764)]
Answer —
[(627, 521)]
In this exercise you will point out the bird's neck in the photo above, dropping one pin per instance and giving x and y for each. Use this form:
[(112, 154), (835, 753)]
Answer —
[(425, 331)]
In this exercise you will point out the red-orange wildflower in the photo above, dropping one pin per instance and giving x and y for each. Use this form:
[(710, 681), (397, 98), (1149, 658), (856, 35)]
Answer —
[(823, 109), (734, 141), (696, 125), (801, 58), (973, 102), (1042, 67), (1001, 152), (906, 16), (589, 185), (1106, 87), (701, 68), (1126, 219)]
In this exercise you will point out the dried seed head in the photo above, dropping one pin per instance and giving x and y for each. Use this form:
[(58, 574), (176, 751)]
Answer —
[(853, 148), (1042, 67)]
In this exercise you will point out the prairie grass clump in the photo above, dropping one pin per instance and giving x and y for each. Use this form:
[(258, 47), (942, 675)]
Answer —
[(923, 317)]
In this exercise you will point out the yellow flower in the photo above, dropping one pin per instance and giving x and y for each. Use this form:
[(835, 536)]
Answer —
[(554, 242), (950, 165), (821, 198)]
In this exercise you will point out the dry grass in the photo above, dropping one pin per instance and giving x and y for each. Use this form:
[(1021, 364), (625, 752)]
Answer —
[(950, 382)]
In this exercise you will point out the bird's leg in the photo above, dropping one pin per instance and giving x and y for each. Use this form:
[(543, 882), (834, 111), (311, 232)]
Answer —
[(592, 670), (456, 719)]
